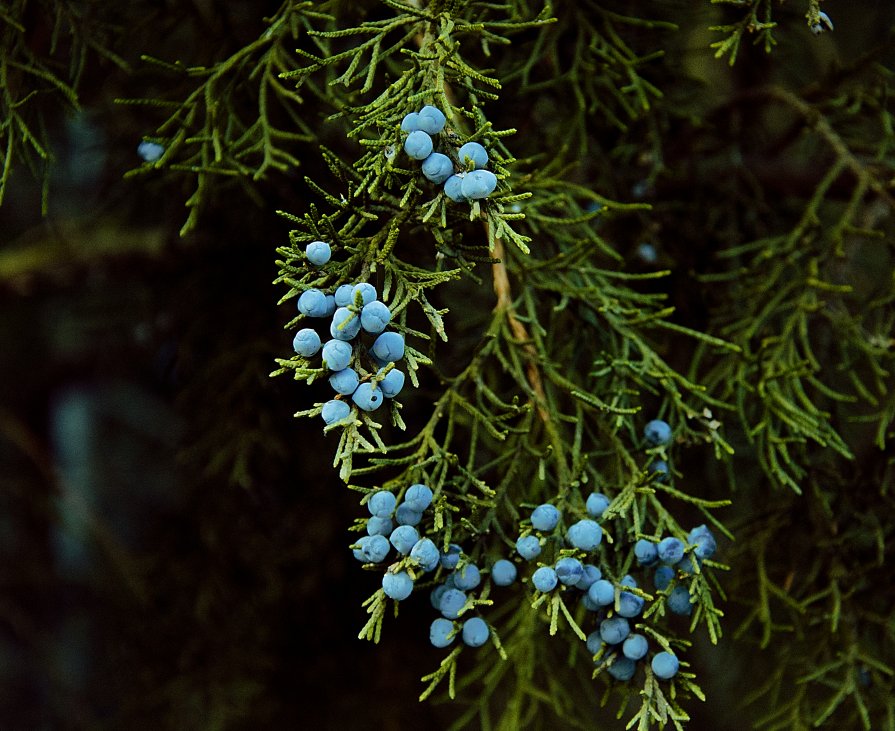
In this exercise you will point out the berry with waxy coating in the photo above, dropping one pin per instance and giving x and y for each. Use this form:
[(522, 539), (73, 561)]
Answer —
[(544, 579), (337, 354), (646, 552), (585, 535), (344, 381), (345, 324), (379, 526), (544, 517), (635, 647), (382, 504), (373, 549), (334, 411), (452, 601), (367, 397), (306, 342), (436, 594), (663, 576), (678, 602), (431, 119), (453, 188), (392, 383), (706, 545), (474, 153), (475, 632), (389, 347), (406, 515), (437, 168), (659, 467), (312, 302), (657, 433), (330, 306), (596, 504), (397, 586), (450, 559), (528, 547), (629, 604), (411, 122), (418, 145), (590, 574), (418, 496), (665, 665), (426, 554), (628, 581), (594, 642), (441, 632), (344, 295), (478, 184), (622, 668), (318, 253), (670, 550), (374, 317), (569, 570), (614, 630), (601, 593), (468, 577), (367, 293), (503, 572), (404, 538)]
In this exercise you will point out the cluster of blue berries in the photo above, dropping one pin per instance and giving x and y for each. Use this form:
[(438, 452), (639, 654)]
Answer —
[(352, 308), (472, 182)]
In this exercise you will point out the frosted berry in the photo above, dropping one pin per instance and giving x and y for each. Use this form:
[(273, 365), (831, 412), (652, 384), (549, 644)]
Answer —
[(426, 554), (345, 324), (635, 647), (367, 293), (453, 188), (318, 253), (330, 306), (706, 545), (596, 504), (431, 119), (451, 558), (569, 570), (406, 515), (441, 632), (337, 354), (503, 572), (628, 581), (478, 184), (468, 577), (410, 123), (367, 397), (392, 383), (659, 467), (663, 576), (344, 295), (528, 547), (657, 433), (472, 154), (418, 145), (306, 342), (436, 594), (404, 538), (678, 602), (397, 586), (614, 630), (334, 411), (419, 497), (629, 604), (590, 574), (150, 151), (544, 517), (344, 381), (382, 504), (544, 579), (452, 601), (374, 548), (594, 642), (670, 550), (374, 317), (646, 552), (379, 526), (437, 168), (475, 632), (312, 302), (585, 535), (389, 347), (601, 593), (665, 665), (622, 668)]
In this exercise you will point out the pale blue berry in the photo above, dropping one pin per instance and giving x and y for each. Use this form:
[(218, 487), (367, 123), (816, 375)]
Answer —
[(418, 497), (628, 581), (478, 184), (657, 433), (374, 548), (330, 306), (379, 526), (468, 577), (659, 467), (475, 632), (452, 601), (614, 630), (590, 574), (635, 647), (596, 504), (453, 188), (426, 554), (410, 123), (472, 154), (441, 632), (544, 579), (397, 586), (334, 411), (585, 535), (528, 547), (436, 594), (437, 168), (382, 504), (344, 295), (150, 151), (389, 347), (665, 665), (503, 572), (367, 397), (318, 253), (451, 558), (374, 317), (670, 550), (345, 324), (544, 517), (569, 570), (418, 145), (646, 552), (337, 355), (706, 545), (622, 668), (663, 576), (392, 383), (431, 119), (406, 515), (594, 642), (601, 593), (367, 293), (629, 604), (306, 342), (403, 538), (678, 601), (312, 302), (344, 381)]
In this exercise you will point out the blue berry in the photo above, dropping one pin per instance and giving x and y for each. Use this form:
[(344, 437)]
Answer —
[(478, 184), (678, 602), (334, 411), (367, 397), (330, 306), (665, 665), (406, 515), (404, 538), (590, 574), (629, 604), (382, 504), (569, 570), (472, 153), (312, 302), (150, 151), (397, 586), (344, 295), (544, 517), (659, 467), (379, 526), (374, 548), (367, 293), (596, 504), (374, 317), (306, 342), (418, 497), (614, 630), (345, 324), (389, 347), (438, 168), (452, 601), (528, 547), (646, 552), (503, 572), (431, 119), (635, 647), (392, 383), (410, 123), (589, 604), (337, 354), (441, 632), (344, 381), (601, 593), (663, 576), (670, 550), (475, 632), (657, 433), (544, 579), (468, 577), (426, 554), (450, 559), (706, 545), (622, 668), (628, 581), (688, 564), (318, 253), (418, 145), (453, 188), (594, 642), (436, 594), (585, 535)]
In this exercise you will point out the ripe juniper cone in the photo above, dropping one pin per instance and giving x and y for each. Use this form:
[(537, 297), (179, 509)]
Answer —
[(150, 151), (437, 168), (374, 317), (389, 347), (475, 632), (670, 550), (366, 291), (344, 295), (569, 570), (404, 538), (503, 572), (646, 552), (665, 665), (635, 647), (312, 303), (406, 515), (657, 433), (441, 632), (337, 354), (622, 668), (345, 381), (382, 504), (392, 383), (596, 504), (544, 517), (418, 496), (528, 547), (334, 411), (614, 630), (345, 324), (379, 526), (453, 188), (452, 601), (418, 145), (306, 342), (368, 397), (478, 184), (397, 586), (544, 579), (602, 593), (431, 119), (473, 155), (451, 558), (585, 535), (426, 554), (318, 253), (590, 575), (468, 577)]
